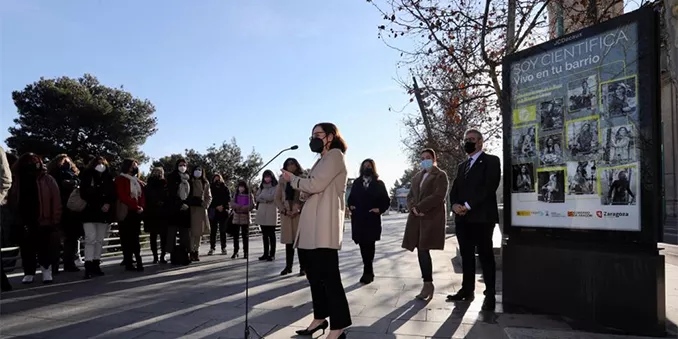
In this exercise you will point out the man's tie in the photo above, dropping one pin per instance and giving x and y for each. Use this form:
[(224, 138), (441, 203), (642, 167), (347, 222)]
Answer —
[(468, 167)]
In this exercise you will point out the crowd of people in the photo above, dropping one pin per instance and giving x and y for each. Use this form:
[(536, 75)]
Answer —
[(54, 205)]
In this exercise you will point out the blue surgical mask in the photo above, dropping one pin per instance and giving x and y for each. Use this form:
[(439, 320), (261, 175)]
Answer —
[(426, 164)]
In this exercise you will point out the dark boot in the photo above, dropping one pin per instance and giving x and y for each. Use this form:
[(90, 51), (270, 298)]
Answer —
[(140, 264), (6, 286), (88, 270), (96, 268), (155, 257)]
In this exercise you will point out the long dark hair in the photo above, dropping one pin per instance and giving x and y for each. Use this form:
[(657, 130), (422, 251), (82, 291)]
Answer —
[(95, 161), (243, 184), (374, 167), (25, 160), (203, 175), (268, 173), (332, 129), (294, 161), (127, 165)]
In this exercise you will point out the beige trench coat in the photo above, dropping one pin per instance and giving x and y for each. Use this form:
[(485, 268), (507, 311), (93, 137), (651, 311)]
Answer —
[(288, 224), (199, 219), (427, 232), (321, 224), (267, 212)]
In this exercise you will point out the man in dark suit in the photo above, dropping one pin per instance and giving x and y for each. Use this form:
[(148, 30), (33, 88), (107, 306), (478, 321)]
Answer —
[(474, 202)]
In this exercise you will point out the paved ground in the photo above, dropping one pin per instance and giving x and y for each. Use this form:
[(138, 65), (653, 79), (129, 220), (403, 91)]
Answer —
[(207, 301)]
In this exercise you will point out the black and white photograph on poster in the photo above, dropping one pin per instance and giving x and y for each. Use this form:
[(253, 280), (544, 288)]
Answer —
[(582, 137), (523, 178), (581, 94), (618, 185), (550, 150), (525, 142), (619, 144), (551, 185), (581, 178), (619, 97), (551, 115)]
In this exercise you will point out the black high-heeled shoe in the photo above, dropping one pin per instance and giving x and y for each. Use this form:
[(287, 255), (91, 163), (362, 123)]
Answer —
[(235, 255), (323, 326)]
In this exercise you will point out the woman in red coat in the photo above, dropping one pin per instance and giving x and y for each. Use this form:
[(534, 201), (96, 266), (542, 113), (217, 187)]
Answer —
[(131, 202)]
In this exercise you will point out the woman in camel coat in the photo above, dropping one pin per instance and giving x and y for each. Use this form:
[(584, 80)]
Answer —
[(425, 228), (289, 204)]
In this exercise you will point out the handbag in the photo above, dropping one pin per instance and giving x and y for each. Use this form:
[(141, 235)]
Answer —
[(75, 202)]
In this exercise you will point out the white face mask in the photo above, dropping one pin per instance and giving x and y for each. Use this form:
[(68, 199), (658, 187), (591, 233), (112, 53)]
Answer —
[(182, 169), (100, 168), (197, 173)]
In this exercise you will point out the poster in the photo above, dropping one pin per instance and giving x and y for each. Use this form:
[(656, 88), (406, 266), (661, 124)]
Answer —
[(574, 155)]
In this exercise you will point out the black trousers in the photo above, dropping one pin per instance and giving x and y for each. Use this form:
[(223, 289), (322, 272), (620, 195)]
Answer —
[(245, 231), (39, 245), (184, 238), (425, 264), (218, 223), (162, 233), (289, 258), (129, 230), (367, 250), (327, 292), (470, 236), (268, 237)]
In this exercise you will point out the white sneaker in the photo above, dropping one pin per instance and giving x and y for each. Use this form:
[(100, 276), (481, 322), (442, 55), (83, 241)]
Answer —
[(47, 275), (27, 279)]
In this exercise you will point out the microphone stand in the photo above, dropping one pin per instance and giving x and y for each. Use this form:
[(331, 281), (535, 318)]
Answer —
[(247, 259)]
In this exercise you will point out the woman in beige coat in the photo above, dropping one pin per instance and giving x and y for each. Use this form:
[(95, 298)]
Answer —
[(425, 228), (321, 230), (267, 214), (289, 204), (199, 200)]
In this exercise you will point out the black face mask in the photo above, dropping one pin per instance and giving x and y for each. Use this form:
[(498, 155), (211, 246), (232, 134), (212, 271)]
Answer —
[(469, 147), (317, 145), (368, 172), (135, 170), (66, 166)]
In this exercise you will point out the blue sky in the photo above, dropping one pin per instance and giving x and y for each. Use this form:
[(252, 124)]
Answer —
[(261, 71)]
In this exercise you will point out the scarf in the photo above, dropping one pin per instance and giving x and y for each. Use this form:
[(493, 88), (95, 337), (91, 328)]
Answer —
[(366, 182), (184, 186), (134, 186)]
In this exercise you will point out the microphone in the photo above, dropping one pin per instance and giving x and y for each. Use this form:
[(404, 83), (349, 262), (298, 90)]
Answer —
[(294, 147)]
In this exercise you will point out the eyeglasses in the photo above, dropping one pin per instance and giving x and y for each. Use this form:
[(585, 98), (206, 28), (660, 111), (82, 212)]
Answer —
[(317, 135)]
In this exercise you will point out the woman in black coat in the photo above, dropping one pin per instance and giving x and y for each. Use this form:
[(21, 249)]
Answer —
[(64, 171), (218, 213), (155, 214), (179, 214), (368, 200)]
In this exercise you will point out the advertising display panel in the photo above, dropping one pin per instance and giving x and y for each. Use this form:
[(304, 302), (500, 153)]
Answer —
[(576, 141)]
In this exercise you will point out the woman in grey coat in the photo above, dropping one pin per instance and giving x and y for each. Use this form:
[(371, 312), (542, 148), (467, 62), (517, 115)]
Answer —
[(267, 214)]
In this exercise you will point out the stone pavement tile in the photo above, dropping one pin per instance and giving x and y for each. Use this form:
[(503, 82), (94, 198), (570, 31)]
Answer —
[(359, 335), (447, 329), (121, 318), (92, 330), (181, 323), (286, 332), (370, 325), (228, 330), (529, 333), (156, 306), (7, 308), (483, 331), (32, 327), (531, 321), (218, 312), (283, 316), (413, 311)]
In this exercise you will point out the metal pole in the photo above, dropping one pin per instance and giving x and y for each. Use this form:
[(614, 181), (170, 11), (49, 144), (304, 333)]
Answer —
[(511, 27), (671, 19), (560, 25)]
